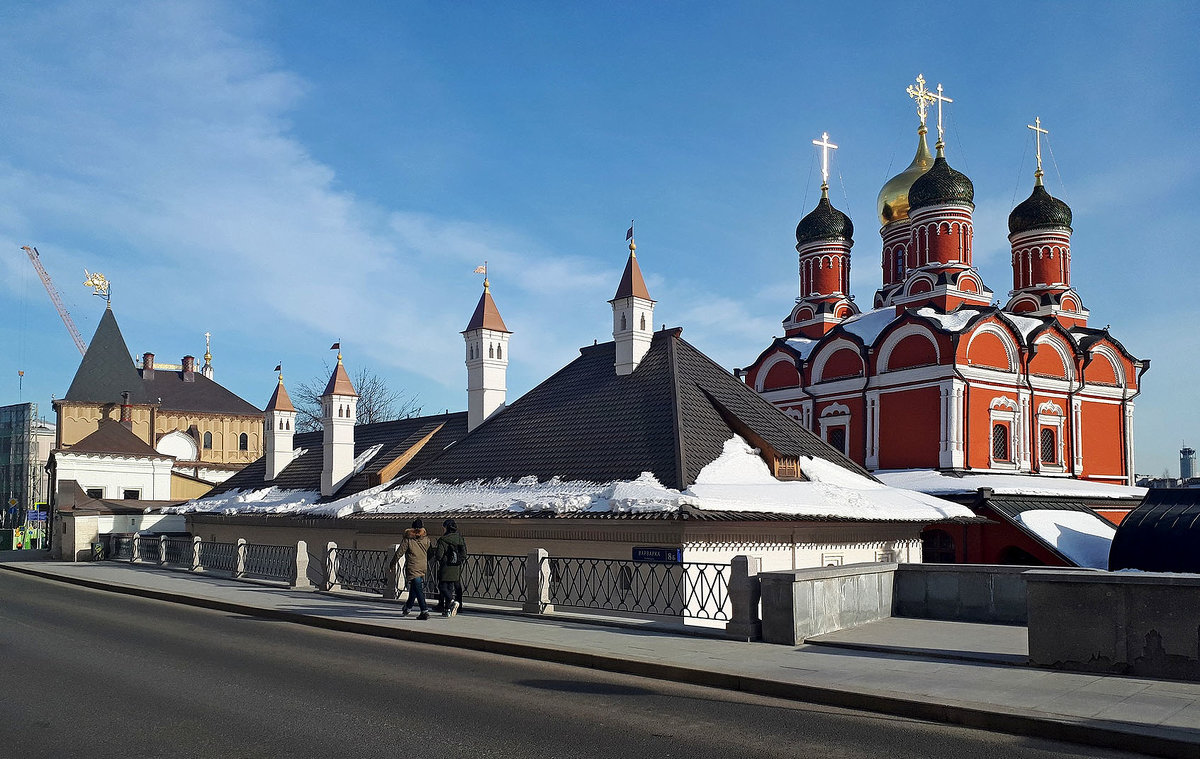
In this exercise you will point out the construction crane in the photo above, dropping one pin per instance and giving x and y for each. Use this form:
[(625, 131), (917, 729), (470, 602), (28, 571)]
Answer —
[(35, 259)]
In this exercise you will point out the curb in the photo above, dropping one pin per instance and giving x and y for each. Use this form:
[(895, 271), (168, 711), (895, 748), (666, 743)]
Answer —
[(1000, 660), (1147, 740)]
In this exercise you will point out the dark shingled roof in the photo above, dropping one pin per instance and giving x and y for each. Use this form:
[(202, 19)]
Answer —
[(112, 437), (824, 223), (671, 417), (107, 368), (941, 184), (396, 437), (1040, 210), (1161, 535)]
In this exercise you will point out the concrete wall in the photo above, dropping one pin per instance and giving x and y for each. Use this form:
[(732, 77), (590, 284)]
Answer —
[(988, 593), (1143, 624), (800, 603)]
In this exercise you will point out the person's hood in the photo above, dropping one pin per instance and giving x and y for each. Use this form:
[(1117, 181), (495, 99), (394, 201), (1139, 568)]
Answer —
[(417, 532)]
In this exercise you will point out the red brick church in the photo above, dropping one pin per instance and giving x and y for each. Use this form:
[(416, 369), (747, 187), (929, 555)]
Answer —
[(939, 375)]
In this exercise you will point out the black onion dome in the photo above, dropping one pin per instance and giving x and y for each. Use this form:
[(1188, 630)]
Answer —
[(941, 184), (824, 223), (1040, 210)]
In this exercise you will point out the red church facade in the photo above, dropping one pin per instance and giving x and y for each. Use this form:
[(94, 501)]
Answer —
[(935, 376)]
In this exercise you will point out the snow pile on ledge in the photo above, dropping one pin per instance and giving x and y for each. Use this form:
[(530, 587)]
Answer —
[(738, 480), (1083, 538), (935, 482)]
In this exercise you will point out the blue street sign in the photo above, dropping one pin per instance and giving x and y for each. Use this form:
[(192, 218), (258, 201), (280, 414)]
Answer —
[(665, 555), (36, 516)]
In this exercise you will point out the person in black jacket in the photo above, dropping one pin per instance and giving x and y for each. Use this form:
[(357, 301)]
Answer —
[(451, 554)]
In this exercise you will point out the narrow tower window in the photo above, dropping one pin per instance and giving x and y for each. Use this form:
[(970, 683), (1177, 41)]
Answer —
[(622, 322), (491, 350), (499, 351), (643, 322)]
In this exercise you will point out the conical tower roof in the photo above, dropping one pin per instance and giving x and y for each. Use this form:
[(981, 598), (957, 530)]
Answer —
[(280, 400), (339, 382), (107, 368), (632, 284), (486, 315)]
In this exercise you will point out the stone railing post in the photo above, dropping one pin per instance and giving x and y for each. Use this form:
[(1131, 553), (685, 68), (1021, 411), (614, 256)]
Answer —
[(239, 564), (744, 595), (330, 566), (537, 583), (299, 577), (162, 550), (196, 553), (133, 551), (394, 574)]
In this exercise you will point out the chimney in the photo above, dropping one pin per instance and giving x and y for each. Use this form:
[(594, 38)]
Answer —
[(126, 411), (189, 368), (148, 366)]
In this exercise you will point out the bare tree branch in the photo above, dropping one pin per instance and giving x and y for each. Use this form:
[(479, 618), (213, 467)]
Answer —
[(377, 401)]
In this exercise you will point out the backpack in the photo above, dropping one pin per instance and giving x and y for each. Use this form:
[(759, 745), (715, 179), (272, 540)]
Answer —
[(453, 555)]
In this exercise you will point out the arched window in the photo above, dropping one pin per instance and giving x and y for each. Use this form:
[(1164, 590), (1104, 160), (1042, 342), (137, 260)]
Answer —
[(1049, 446), (243, 442), (499, 350), (470, 351), (491, 350), (208, 441), (288, 424), (622, 321), (643, 322), (280, 424), (1000, 442)]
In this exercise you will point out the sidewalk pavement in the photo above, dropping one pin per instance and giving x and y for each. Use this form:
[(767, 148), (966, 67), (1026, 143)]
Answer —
[(1158, 717)]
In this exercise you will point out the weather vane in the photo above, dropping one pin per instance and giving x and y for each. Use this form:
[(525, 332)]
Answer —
[(923, 97), (99, 284)]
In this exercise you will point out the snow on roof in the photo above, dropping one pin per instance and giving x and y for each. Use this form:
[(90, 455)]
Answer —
[(1083, 538), (954, 321), (938, 483), (802, 345), (1024, 323), (869, 324), (738, 480)]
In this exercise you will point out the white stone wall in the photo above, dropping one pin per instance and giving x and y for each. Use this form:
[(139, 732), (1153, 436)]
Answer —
[(116, 474)]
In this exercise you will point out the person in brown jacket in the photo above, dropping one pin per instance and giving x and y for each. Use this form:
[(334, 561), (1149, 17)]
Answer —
[(415, 548)]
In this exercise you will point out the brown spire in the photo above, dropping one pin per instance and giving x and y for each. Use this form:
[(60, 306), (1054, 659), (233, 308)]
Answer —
[(632, 283), (339, 381), (280, 401), (486, 315)]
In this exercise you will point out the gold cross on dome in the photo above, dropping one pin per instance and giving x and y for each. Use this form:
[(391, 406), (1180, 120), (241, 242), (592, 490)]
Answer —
[(825, 145), (1036, 126), (923, 97), (940, 98)]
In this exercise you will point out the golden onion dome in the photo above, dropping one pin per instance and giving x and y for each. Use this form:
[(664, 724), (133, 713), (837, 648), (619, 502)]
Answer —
[(893, 198)]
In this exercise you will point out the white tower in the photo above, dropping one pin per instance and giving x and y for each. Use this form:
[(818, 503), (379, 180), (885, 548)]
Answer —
[(633, 315), (339, 409), (486, 340), (279, 424)]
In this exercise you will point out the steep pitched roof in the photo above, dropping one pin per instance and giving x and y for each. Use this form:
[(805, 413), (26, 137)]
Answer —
[(671, 417), (486, 315), (395, 438), (107, 368), (114, 438), (339, 382), (280, 400), (632, 283)]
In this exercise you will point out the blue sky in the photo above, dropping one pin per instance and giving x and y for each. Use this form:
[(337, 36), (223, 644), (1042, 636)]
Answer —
[(283, 175)]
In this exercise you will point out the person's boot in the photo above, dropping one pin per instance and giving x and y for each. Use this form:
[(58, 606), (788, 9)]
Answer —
[(423, 615)]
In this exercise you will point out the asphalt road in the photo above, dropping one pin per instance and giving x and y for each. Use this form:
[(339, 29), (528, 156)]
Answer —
[(95, 674)]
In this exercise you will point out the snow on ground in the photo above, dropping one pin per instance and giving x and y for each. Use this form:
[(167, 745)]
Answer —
[(937, 483), (738, 480), (1083, 538)]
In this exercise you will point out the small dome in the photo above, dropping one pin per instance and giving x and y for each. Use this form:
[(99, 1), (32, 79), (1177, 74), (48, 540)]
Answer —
[(893, 198), (1038, 211), (941, 184), (824, 223)]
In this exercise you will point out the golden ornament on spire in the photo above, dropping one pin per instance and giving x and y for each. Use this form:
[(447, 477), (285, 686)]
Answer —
[(923, 97), (98, 282)]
